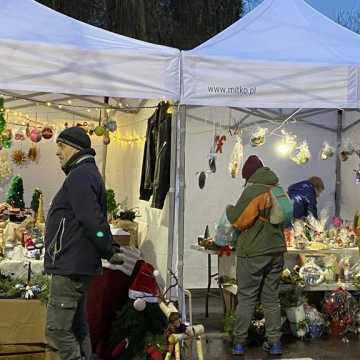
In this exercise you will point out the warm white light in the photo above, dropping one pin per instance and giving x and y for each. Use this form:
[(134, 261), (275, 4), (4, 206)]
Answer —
[(283, 149), (48, 103), (69, 102)]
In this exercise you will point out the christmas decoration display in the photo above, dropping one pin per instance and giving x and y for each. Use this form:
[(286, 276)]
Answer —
[(5, 168), (33, 153), (35, 200), (19, 136), (340, 308), (326, 151), (258, 137), (15, 194), (311, 273), (302, 154), (236, 158), (35, 135), (99, 131), (111, 125), (19, 158), (47, 133), (219, 141)]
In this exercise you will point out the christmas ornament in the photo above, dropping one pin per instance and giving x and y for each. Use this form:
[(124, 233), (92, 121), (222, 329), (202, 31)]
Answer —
[(5, 168), (219, 141), (35, 135), (6, 144), (111, 125), (6, 135), (34, 153), (19, 158), (15, 194), (99, 130), (236, 158), (40, 215), (258, 137), (47, 133), (302, 154), (19, 136), (326, 151), (311, 273), (202, 179), (139, 304), (357, 175), (106, 139), (347, 150)]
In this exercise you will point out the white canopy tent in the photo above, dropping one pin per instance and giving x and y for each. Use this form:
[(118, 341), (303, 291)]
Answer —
[(43, 50), (283, 54)]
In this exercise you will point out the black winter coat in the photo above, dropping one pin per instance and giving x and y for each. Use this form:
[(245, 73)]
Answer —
[(77, 233)]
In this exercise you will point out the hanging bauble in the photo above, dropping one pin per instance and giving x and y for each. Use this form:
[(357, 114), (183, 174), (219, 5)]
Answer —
[(236, 158), (6, 135), (19, 136), (258, 137), (106, 139), (47, 133), (302, 154), (19, 158), (35, 135), (33, 153), (139, 304), (357, 176), (99, 130), (202, 179), (326, 151), (311, 273), (111, 125)]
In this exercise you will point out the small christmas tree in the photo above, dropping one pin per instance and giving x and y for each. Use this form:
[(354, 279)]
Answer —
[(2, 116), (112, 205), (35, 200), (15, 194)]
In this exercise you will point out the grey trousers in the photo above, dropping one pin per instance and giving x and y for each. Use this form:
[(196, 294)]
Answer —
[(258, 276), (67, 329)]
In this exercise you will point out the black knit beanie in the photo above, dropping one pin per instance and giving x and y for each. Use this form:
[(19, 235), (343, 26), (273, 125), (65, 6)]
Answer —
[(75, 137)]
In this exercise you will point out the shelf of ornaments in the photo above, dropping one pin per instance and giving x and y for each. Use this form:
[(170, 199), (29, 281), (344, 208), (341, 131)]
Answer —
[(341, 251), (327, 286)]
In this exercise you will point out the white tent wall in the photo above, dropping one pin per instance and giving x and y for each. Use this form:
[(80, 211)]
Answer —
[(205, 206), (46, 174), (124, 163)]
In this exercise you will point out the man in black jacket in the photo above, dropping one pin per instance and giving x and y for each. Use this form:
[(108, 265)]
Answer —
[(77, 237)]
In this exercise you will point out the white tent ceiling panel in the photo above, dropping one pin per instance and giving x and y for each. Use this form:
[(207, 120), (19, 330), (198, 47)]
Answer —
[(282, 54), (43, 50)]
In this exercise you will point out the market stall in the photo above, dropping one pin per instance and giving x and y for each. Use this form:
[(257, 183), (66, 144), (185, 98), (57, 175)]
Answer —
[(283, 77), (74, 74)]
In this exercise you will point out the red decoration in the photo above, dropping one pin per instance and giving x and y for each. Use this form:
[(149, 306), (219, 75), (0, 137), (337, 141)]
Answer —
[(120, 348), (154, 353), (220, 141), (35, 135), (47, 133), (225, 251)]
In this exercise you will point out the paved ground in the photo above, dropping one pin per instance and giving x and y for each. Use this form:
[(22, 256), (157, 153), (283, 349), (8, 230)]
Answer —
[(217, 345)]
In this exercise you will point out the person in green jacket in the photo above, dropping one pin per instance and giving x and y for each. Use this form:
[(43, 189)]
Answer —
[(260, 260)]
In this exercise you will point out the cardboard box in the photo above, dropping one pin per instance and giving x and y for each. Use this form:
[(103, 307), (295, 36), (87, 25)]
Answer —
[(22, 321), (120, 236), (130, 227)]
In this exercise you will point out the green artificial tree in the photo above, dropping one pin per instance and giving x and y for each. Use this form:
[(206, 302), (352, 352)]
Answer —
[(112, 205), (15, 194), (35, 200), (2, 116)]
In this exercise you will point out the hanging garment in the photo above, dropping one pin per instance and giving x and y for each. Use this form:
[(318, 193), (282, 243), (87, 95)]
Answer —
[(155, 176)]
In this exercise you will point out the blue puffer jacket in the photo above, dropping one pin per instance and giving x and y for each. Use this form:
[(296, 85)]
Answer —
[(304, 196)]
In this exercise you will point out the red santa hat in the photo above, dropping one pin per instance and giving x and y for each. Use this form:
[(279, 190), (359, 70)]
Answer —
[(144, 285)]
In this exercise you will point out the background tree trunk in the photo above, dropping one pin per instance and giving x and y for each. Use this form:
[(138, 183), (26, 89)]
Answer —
[(179, 23)]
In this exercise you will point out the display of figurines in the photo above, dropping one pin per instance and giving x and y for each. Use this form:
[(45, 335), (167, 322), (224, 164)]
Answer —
[(331, 269), (344, 268), (311, 273)]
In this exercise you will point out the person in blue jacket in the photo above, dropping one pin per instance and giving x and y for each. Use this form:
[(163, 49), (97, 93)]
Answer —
[(305, 194)]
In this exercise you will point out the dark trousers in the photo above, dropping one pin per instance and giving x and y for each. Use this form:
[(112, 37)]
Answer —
[(258, 276), (67, 328)]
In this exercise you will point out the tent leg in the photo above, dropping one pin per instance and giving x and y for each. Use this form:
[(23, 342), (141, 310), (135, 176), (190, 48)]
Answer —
[(180, 194), (338, 163), (172, 202)]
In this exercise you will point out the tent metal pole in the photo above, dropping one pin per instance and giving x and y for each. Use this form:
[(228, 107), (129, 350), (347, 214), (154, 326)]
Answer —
[(173, 156), (181, 134), (338, 163)]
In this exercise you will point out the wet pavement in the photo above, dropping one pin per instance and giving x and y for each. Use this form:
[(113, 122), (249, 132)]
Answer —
[(216, 344)]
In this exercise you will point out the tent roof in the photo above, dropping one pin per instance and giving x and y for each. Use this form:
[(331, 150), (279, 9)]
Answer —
[(43, 50), (288, 51)]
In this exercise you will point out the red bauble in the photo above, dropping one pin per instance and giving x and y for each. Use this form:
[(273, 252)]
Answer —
[(47, 133), (35, 135)]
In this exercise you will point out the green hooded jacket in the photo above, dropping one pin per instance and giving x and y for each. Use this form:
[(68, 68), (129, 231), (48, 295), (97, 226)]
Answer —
[(250, 215)]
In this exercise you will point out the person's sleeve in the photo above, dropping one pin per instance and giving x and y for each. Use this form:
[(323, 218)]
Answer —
[(312, 205), (83, 197)]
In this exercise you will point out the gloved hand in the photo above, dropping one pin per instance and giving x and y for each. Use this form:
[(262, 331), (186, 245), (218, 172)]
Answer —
[(117, 258)]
